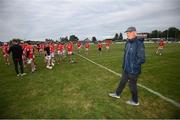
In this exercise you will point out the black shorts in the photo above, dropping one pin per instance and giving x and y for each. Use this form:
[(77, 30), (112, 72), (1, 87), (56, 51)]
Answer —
[(99, 49)]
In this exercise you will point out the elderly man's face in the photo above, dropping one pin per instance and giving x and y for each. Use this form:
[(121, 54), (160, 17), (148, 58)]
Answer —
[(131, 35)]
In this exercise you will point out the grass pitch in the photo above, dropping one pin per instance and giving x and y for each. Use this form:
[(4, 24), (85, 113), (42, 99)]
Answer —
[(81, 90)]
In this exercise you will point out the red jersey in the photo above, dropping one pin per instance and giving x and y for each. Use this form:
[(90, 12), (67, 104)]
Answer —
[(5, 49), (107, 43), (99, 45), (161, 43), (87, 45), (78, 44), (70, 47), (24, 47), (52, 48), (41, 46), (30, 51), (60, 47)]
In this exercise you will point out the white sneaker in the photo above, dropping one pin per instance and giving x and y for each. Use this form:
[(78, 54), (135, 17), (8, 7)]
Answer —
[(18, 75), (23, 74), (33, 70), (131, 102), (114, 95), (49, 67)]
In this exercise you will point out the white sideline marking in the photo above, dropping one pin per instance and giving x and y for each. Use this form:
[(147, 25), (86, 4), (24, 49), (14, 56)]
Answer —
[(142, 86)]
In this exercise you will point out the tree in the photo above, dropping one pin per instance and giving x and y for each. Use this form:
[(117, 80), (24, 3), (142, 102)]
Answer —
[(155, 34), (115, 37), (120, 36), (173, 32), (94, 40), (73, 38), (64, 39), (164, 34)]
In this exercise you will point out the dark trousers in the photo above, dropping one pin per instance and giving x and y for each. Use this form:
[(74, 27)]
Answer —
[(20, 62), (132, 85)]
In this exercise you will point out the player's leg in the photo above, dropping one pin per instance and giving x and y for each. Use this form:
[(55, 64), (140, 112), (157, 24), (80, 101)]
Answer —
[(160, 51), (21, 67), (8, 61), (122, 84), (52, 59), (33, 66), (16, 67), (4, 56), (49, 66), (157, 51)]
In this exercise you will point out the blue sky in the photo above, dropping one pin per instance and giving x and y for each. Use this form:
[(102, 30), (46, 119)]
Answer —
[(40, 19)]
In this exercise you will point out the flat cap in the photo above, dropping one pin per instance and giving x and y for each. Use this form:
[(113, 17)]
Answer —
[(130, 29)]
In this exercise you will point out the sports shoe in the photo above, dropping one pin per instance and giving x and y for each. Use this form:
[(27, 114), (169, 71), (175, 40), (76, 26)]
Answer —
[(131, 102), (23, 74), (18, 75), (49, 67), (32, 71), (114, 95)]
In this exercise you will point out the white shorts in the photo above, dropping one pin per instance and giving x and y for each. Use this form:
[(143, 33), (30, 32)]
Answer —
[(69, 52), (60, 52), (40, 50), (160, 47), (107, 47), (64, 52), (52, 54), (6, 55), (87, 49), (48, 57)]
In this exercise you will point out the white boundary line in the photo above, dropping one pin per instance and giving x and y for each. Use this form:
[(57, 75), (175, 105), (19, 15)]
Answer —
[(142, 86)]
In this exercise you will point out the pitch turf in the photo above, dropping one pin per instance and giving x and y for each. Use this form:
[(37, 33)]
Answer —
[(81, 90)]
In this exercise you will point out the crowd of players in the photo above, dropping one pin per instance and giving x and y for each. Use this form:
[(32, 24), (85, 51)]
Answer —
[(51, 49), (23, 53)]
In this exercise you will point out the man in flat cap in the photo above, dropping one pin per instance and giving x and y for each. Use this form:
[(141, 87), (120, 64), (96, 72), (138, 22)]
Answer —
[(134, 56)]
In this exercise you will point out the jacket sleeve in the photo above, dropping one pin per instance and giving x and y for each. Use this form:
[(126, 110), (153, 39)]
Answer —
[(141, 53)]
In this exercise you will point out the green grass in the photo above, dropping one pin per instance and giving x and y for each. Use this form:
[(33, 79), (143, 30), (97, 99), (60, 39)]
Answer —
[(81, 90)]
